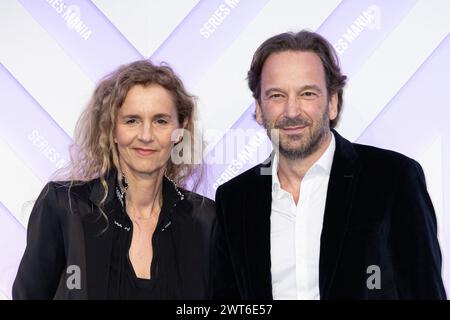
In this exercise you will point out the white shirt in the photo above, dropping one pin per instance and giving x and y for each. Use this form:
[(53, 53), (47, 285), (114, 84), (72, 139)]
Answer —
[(295, 231)]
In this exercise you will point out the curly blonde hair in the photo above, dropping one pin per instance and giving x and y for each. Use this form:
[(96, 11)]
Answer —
[(94, 153)]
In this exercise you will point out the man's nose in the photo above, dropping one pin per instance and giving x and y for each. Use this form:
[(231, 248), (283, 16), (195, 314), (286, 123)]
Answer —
[(292, 108)]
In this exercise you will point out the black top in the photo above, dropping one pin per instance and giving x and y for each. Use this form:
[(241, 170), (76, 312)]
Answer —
[(123, 282)]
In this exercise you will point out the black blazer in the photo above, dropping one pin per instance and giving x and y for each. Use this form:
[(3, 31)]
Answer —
[(59, 236), (377, 212)]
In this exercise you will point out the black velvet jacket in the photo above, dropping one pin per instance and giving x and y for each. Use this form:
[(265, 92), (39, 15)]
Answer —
[(63, 233), (377, 212)]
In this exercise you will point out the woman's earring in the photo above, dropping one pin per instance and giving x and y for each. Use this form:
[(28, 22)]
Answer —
[(124, 181)]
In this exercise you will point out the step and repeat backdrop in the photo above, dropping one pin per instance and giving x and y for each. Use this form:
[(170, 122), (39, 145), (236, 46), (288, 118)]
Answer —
[(53, 52)]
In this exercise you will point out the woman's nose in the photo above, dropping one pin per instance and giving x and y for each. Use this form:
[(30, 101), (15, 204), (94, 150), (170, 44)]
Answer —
[(146, 133)]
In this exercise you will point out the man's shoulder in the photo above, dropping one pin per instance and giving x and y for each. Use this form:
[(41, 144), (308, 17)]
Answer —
[(370, 156), (383, 157), (245, 179)]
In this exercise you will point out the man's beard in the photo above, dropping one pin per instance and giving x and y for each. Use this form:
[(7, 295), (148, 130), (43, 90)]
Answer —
[(298, 146)]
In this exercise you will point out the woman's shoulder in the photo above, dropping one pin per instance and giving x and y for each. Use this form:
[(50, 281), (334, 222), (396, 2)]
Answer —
[(72, 187), (197, 199), (202, 207), (64, 193)]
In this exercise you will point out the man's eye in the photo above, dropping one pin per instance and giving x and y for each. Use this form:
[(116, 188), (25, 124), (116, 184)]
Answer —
[(309, 94), (276, 96)]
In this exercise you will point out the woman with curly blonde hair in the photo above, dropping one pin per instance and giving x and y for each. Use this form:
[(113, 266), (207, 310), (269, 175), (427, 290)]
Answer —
[(123, 226)]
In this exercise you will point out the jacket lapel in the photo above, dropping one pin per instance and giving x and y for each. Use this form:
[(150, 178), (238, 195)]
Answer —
[(98, 240), (341, 186), (257, 227)]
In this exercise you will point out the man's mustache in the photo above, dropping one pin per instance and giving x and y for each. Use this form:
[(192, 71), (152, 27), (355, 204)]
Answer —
[(292, 122)]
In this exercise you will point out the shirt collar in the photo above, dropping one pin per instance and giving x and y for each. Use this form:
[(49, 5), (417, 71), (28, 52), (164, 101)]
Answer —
[(324, 163), (326, 160)]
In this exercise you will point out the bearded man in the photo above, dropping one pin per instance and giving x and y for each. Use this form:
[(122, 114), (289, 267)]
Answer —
[(323, 218)]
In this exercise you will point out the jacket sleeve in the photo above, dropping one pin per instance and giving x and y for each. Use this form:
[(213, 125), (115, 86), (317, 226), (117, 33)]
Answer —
[(224, 282), (43, 261), (413, 236)]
